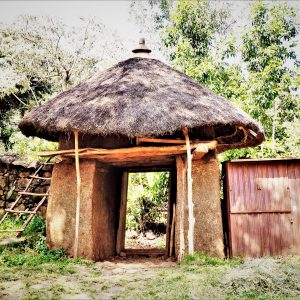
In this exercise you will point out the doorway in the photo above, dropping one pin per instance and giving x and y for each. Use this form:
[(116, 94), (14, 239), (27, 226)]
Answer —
[(145, 219)]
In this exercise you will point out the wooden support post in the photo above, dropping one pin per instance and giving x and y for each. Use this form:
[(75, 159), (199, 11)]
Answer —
[(132, 151), (168, 225), (78, 181), (172, 231), (190, 193), (122, 219), (181, 175)]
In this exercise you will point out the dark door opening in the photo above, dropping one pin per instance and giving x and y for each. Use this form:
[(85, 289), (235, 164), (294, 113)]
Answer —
[(145, 214)]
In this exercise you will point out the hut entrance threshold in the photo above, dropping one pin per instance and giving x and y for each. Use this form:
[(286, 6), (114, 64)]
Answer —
[(146, 223)]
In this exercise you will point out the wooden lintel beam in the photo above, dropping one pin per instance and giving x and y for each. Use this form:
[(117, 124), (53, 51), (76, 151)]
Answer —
[(132, 151)]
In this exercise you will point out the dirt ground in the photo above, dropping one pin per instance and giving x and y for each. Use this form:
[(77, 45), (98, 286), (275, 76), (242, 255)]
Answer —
[(141, 279), (102, 280), (134, 240)]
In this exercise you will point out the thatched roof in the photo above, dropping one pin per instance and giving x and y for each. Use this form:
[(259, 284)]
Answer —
[(142, 97)]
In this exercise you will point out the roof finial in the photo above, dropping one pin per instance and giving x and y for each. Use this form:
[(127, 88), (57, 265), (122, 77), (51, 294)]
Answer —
[(141, 50)]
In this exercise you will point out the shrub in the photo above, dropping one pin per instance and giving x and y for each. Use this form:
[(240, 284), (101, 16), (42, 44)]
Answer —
[(147, 200), (36, 225)]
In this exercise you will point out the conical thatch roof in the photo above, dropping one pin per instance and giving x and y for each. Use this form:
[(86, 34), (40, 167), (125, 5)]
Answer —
[(142, 97)]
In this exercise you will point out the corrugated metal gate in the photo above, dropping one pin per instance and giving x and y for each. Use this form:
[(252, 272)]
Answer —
[(263, 207)]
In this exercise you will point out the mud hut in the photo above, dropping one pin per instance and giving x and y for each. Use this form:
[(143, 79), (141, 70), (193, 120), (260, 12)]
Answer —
[(141, 114)]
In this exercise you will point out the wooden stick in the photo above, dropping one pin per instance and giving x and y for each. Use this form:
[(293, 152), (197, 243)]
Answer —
[(19, 211), (33, 194), (11, 230), (31, 216), (122, 216), (58, 152), (78, 181), (190, 193), (181, 202), (20, 195), (131, 151), (172, 230), (39, 177), (169, 214)]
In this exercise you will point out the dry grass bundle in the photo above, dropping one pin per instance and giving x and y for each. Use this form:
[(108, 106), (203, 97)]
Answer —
[(276, 277)]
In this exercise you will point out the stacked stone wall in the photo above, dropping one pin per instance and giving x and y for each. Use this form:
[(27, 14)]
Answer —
[(14, 176)]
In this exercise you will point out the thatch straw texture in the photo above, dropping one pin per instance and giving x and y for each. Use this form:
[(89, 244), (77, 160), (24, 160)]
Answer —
[(140, 97)]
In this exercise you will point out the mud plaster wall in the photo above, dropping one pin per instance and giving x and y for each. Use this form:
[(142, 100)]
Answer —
[(98, 207), (14, 176), (207, 207), (106, 204), (208, 231)]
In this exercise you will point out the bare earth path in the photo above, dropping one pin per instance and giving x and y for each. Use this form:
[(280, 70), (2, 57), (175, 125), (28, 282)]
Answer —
[(102, 280), (145, 279)]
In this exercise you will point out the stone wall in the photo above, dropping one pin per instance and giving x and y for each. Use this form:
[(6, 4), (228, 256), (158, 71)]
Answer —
[(14, 176)]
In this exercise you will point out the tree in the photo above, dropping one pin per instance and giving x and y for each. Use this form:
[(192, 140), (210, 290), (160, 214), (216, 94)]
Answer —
[(200, 45), (147, 200), (268, 50), (259, 71), (41, 56)]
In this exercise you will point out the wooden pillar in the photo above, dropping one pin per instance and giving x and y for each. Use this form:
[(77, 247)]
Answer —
[(120, 246), (190, 194), (172, 231), (181, 193), (169, 213), (78, 181)]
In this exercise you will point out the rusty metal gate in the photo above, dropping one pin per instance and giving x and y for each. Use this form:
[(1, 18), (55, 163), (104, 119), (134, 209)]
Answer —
[(263, 207)]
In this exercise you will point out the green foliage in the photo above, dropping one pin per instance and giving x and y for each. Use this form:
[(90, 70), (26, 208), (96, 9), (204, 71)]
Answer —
[(199, 45), (10, 223), (193, 30), (36, 225), (30, 257), (202, 259), (13, 140), (259, 70), (147, 199), (34, 250), (268, 49), (28, 147), (41, 56)]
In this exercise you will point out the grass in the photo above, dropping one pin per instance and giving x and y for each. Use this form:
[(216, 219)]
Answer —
[(33, 251), (203, 277), (10, 223), (203, 259), (30, 270)]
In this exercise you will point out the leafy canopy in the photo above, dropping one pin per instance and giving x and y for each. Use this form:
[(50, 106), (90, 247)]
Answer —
[(258, 70)]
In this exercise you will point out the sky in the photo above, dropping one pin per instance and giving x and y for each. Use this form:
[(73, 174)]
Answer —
[(114, 14)]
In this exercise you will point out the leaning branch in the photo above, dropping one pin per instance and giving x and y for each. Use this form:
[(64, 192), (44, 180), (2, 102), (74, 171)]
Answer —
[(19, 99)]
